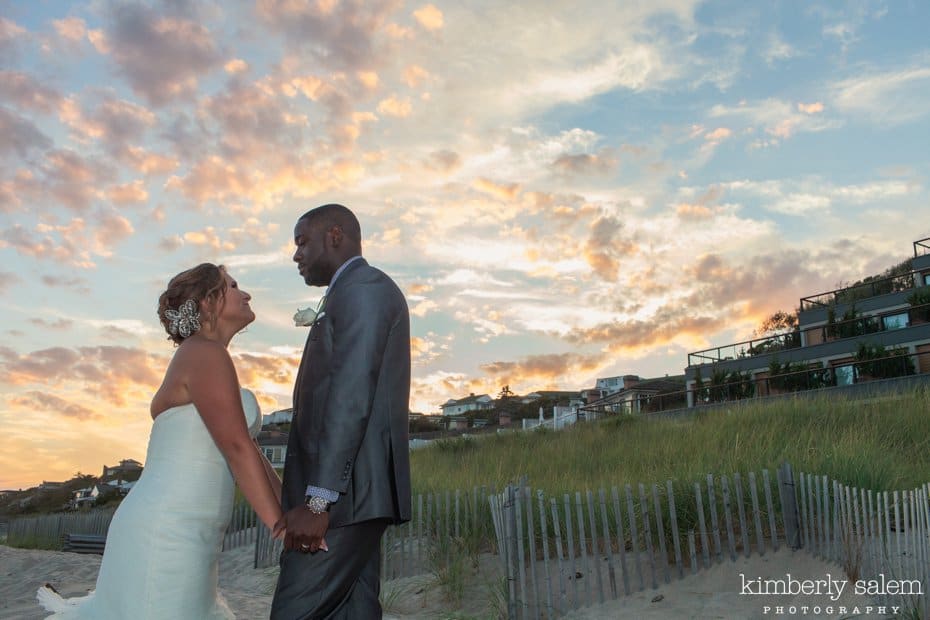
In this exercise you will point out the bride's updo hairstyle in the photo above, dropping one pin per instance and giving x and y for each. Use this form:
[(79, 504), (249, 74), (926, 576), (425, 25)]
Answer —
[(206, 281)]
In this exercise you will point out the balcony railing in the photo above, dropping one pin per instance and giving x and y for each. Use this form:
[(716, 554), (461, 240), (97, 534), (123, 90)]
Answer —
[(921, 247), (747, 348), (865, 290), (849, 328), (747, 387)]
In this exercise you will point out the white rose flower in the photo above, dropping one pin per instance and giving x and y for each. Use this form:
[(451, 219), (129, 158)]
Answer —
[(305, 317)]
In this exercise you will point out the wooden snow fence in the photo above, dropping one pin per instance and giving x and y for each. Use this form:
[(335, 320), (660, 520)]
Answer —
[(564, 553)]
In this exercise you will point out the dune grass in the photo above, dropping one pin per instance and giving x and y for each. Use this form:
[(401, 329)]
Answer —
[(880, 444)]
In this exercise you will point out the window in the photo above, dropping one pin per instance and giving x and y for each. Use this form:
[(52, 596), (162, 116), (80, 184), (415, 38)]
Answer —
[(845, 375), (894, 321)]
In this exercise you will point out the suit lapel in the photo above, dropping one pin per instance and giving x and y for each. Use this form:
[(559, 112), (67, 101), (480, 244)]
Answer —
[(305, 358)]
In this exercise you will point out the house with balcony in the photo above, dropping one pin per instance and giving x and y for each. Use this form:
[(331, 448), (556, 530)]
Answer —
[(456, 407), (639, 395), (876, 329), (126, 467)]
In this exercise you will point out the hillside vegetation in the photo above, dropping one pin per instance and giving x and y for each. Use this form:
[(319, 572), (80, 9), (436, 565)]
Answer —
[(879, 444)]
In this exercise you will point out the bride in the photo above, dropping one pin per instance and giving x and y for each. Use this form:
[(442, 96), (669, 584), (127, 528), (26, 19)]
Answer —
[(164, 540)]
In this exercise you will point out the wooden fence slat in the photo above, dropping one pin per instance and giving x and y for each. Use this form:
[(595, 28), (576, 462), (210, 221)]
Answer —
[(531, 543), (583, 550), (510, 523), (543, 530), (897, 536), (870, 532), (570, 545), (660, 534), (715, 525), (806, 515), (821, 520), (906, 502), (858, 508), (829, 530), (608, 546), (693, 552), (621, 539), (885, 529), (727, 517), (634, 537), (849, 545), (520, 554), (743, 528), (647, 534), (595, 554), (773, 533), (705, 543), (757, 516), (563, 595), (676, 537), (421, 541)]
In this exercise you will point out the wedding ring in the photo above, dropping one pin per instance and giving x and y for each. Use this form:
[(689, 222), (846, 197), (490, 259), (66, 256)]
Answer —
[(305, 547)]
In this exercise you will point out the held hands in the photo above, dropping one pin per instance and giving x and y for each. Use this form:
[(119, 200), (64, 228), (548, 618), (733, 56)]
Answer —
[(302, 530)]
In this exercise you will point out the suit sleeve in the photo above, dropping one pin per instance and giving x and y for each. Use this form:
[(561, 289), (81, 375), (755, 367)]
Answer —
[(363, 319)]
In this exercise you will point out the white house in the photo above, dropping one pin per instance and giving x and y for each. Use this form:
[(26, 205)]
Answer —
[(274, 446), (469, 403), (281, 416)]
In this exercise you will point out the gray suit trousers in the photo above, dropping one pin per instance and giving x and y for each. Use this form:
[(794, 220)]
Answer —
[(340, 584)]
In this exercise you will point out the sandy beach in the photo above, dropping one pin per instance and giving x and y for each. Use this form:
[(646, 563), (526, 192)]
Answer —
[(713, 593)]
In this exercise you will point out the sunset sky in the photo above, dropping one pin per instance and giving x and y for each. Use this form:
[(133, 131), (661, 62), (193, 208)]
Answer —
[(563, 190)]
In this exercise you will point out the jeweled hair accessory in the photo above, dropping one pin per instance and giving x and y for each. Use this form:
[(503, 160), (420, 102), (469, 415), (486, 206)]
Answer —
[(185, 320)]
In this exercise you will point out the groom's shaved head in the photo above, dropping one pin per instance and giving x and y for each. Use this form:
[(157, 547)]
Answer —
[(334, 215)]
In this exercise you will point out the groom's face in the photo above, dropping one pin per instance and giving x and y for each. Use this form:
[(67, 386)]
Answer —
[(312, 255)]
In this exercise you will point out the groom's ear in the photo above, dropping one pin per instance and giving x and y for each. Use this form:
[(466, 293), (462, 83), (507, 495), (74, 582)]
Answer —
[(337, 235)]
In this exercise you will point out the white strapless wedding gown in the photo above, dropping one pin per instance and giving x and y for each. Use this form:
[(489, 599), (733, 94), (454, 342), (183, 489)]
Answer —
[(164, 541)]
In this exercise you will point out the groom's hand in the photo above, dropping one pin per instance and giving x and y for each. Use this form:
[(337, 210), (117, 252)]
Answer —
[(304, 529)]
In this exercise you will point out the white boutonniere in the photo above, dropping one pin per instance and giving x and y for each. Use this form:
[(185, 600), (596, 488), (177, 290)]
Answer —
[(305, 317), (308, 316)]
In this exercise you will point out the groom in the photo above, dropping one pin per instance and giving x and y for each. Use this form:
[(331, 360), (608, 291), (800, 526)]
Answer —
[(347, 472)]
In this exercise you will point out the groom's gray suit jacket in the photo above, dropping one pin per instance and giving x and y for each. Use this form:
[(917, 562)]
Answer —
[(349, 431)]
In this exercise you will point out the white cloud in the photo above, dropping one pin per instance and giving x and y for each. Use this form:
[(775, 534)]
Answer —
[(886, 98)]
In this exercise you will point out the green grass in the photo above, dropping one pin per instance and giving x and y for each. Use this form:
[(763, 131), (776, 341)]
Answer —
[(878, 444)]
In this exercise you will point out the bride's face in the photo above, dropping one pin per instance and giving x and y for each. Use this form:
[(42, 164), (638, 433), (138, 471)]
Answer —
[(234, 306)]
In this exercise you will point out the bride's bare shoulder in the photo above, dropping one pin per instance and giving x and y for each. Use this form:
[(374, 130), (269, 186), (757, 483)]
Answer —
[(196, 362)]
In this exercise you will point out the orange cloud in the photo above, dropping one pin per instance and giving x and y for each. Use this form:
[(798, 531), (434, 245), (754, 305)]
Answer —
[(693, 212), (549, 369), (604, 249), (236, 66), (50, 402), (149, 163), (398, 108), (71, 28), (429, 17), (718, 135), (208, 237), (116, 374), (414, 75), (586, 163), (128, 193), (507, 191), (810, 108), (368, 79)]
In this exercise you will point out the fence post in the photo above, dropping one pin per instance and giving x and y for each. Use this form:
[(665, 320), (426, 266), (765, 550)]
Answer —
[(789, 505)]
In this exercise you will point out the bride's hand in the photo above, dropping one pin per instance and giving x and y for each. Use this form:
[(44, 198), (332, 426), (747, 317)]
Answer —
[(280, 534)]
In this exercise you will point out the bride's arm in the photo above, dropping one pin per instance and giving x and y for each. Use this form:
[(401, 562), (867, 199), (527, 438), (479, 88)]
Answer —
[(214, 390), (273, 478)]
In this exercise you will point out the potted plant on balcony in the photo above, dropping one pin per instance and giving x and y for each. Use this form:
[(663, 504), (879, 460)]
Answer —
[(920, 305)]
